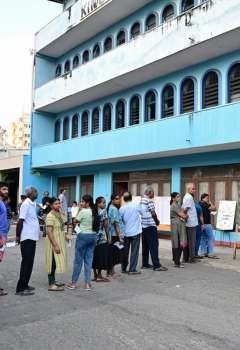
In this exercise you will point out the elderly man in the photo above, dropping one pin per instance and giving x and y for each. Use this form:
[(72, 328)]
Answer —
[(149, 232), (192, 222), (27, 233), (4, 226)]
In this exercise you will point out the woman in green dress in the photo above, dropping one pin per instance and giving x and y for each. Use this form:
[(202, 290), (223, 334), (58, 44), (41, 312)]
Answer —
[(56, 257)]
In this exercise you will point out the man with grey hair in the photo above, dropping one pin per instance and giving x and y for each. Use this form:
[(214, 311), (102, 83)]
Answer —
[(149, 232), (27, 233)]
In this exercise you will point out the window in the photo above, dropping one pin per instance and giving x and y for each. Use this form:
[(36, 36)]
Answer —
[(210, 90), (151, 22), (67, 67), (121, 38), (58, 72), (57, 131), (108, 44), (96, 51), (135, 30), (95, 120), (135, 110), (107, 118), (66, 128), (85, 57), (187, 5), (84, 125), (168, 101), (75, 61), (234, 83), (75, 126), (168, 13), (187, 96), (150, 106), (120, 114)]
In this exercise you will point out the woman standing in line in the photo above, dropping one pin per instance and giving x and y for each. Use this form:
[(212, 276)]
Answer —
[(178, 227), (116, 232), (101, 252), (88, 220), (56, 257)]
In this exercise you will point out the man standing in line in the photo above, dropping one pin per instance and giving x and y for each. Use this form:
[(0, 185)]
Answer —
[(207, 240), (45, 198), (27, 233), (3, 224), (63, 201), (150, 234), (130, 214), (192, 222)]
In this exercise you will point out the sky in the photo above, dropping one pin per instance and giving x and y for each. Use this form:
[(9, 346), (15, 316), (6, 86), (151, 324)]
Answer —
[(19, 20)]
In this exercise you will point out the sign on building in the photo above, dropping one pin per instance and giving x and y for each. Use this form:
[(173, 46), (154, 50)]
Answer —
[(90, 6), (226, 215)]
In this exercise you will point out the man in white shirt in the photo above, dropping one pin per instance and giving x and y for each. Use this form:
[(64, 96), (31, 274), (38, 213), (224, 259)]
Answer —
[(63, 201), (192, 221), (130, 214), (27, 233)]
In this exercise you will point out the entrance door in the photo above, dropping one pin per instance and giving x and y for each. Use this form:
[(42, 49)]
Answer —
[(120, 187), (87, 185), (68, 183)]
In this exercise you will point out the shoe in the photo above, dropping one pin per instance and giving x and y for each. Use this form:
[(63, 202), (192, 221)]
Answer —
[(161, 268), (192, 261), (198, 257), (149, 266), (3, 292), (213, 257), (30, 288), (24, 293), (180, 266), (124, 271), (134, 272)]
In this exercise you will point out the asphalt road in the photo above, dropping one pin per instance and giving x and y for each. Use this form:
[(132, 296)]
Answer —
[(195, 308)]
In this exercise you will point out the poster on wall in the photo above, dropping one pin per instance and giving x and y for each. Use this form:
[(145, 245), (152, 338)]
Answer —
[(226, 215), (162, 205)]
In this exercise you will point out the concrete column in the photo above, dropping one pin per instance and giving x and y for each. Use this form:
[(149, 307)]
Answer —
[(103, 185), (78, 186), (176, 179)]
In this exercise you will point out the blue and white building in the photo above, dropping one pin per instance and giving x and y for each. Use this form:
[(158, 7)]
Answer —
[(136, 92)]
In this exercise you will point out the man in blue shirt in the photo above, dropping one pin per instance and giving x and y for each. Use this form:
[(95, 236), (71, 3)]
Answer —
[(3, 224)]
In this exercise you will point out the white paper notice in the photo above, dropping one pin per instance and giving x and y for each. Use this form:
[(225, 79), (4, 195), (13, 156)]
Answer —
[(226, 215)]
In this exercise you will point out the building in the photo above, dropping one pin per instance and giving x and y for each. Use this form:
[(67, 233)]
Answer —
[(18, 133), (3, 140), (136, 92)]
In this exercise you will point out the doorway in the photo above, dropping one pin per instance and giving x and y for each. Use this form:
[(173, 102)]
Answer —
[(69, 184)]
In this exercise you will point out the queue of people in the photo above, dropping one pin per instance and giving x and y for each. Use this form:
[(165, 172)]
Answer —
[(106, 235)]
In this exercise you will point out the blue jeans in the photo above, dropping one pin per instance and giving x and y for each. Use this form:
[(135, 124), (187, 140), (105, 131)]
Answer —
[(84, 249), (207, 241), (198, 238)]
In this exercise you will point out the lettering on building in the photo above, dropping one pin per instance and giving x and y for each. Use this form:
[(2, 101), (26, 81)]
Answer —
[(91, 6)]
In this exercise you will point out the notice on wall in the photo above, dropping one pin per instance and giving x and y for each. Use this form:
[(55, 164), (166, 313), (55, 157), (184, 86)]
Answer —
[(226, 215), (162, 206)]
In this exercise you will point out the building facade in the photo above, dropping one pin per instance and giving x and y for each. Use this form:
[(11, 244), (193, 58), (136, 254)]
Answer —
[(18, 133), (136, 92)]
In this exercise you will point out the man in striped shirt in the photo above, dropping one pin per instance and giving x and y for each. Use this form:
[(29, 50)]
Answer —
[(149, 234)]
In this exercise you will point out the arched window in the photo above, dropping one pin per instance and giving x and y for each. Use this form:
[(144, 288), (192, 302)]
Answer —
[(75, 126), (95, 120), (67, 66), (187, 96), (168, 101), (151, 22), (96, 51), (108, 44), (57, 131), (210, 90), (107, 117), (135, 30), (120, 114), (76, 61), (150, 106), (168, 13), (234, 83), (58, 72), (121, 38), (66, 128), (135, 110), (84, 124), (85, 57), (187, 5)]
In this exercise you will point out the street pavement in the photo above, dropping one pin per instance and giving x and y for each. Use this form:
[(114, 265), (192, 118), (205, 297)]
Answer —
[(195, 308)]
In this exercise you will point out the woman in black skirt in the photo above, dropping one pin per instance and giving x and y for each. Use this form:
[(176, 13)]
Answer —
[(101, 253)]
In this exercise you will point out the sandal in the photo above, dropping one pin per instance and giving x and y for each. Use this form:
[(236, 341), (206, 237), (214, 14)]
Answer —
[(213, 257), (71, 286), (3, 292), (60, 284), (55, 288)]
